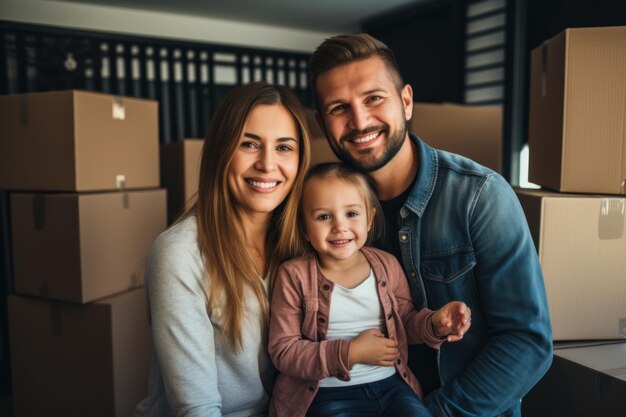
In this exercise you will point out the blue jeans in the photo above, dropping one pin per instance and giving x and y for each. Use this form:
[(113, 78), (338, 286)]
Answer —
[(389, 397)]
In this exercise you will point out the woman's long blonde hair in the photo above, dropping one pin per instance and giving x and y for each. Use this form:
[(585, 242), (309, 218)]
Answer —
[(230, 270)]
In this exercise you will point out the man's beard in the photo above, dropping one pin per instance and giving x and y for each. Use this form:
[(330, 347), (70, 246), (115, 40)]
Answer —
[(365, 164)]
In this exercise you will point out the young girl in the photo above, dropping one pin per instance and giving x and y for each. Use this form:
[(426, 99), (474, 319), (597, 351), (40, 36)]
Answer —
[(342, 315)]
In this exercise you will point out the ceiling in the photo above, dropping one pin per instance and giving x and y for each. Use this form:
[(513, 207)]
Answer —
[(316, 15)]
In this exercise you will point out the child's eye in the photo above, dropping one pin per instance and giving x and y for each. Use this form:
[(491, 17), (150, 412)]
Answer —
[(323, 217), (352, 214)]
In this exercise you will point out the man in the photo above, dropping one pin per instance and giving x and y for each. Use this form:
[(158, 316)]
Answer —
[(456, 227)]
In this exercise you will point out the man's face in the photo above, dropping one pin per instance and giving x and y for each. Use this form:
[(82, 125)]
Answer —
[(364, 117)]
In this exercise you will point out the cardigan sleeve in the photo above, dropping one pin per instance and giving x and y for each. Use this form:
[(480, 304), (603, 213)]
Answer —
[(292, 353)]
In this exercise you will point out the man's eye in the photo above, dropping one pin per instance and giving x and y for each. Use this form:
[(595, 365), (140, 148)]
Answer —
[(374, 98), (338, 109)]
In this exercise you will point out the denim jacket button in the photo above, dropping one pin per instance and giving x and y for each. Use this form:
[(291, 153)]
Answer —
[(398, 361), (404, 237), (389, 316), (326, 287), (321, 319), (312, 389), (383, 283)]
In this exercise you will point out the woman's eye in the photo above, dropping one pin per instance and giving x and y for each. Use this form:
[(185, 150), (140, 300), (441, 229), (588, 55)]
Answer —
[(249, 145), (284, 148)]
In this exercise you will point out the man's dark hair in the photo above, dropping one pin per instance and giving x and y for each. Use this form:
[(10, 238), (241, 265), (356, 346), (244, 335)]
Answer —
[(344, 49)]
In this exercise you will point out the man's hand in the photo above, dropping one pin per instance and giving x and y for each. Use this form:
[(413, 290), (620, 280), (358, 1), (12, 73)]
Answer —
[(452, 320), (371, 347)]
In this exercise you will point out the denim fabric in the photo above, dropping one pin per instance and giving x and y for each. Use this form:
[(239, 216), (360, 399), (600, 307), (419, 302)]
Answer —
[(463, 236), (389, 397)]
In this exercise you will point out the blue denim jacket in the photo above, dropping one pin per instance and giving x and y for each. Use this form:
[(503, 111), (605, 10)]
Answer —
[(463, 236)]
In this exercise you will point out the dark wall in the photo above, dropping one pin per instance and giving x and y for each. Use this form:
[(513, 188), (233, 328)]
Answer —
[(546, 18), (428, 41)]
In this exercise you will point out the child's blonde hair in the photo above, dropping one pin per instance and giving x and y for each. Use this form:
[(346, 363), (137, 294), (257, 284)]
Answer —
[(360, 181)]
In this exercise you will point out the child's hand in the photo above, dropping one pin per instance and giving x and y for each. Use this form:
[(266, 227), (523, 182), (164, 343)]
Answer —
[(452, 320), (371, 347)]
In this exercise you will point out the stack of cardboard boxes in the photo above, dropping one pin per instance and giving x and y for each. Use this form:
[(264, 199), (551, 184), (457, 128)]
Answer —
[(83, 172), (577, 140)]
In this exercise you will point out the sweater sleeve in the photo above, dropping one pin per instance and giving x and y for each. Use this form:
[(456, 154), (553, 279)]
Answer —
[(291, 352), (183, 336)]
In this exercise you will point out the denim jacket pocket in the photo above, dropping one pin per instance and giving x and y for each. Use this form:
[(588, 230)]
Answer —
[(309, 321), (448, 268), (450, 277)]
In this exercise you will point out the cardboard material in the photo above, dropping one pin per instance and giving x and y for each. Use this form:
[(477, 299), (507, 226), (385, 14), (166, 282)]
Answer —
[(320, 149), (180, 170), (79, 360), (472, 131), (78, 141), (577, 128), (582, 382), (581, 241), (82, 247)]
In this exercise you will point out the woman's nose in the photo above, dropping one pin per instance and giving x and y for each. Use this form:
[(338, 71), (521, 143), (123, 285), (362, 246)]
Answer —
[(266, 161)]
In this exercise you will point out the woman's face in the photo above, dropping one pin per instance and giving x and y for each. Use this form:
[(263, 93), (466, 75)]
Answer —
[(265, 164)]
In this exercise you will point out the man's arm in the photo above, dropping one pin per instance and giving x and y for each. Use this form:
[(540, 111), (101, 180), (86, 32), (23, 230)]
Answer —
[(509, 281)]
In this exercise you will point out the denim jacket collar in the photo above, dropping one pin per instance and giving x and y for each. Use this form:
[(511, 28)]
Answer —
[(425, 181)]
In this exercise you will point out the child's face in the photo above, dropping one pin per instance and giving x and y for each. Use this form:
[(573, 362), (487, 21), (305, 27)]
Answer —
[(336, 219)]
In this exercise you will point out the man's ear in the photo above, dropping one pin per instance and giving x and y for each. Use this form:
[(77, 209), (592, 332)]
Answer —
[(407, 101), (320, 123)]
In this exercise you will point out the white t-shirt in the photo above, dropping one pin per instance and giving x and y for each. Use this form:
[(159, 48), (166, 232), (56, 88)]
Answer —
[(351, 312)]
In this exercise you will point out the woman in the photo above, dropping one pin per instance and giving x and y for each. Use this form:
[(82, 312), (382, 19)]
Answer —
[(207, 276)]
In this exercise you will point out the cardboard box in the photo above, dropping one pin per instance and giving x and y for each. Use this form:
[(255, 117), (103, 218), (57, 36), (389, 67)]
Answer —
[(78, 141), (320, 149), (582, 382), (79, 360), (581, 241), (472, 131), (577, 133), (180, 170), (82, 247)]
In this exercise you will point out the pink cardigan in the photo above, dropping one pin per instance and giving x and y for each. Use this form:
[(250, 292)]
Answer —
[(299, 323)]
